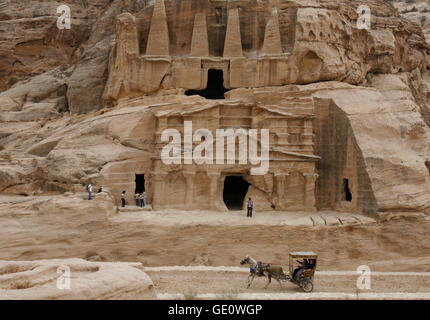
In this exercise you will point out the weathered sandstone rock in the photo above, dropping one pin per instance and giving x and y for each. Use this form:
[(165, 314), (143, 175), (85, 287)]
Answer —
[(62, 224), (363, 124), (45, 280), (32, 44)]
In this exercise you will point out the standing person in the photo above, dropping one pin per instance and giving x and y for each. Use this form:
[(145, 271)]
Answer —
[(250, 206), (143, 199), (123, 199), (137, 198), (90, 191)]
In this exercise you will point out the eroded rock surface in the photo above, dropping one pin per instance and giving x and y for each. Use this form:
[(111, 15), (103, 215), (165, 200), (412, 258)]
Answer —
[(74, 279), (368, 90)]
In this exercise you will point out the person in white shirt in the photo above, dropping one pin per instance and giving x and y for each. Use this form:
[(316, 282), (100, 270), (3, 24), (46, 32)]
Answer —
[(250, 207), (137, 198), (90, 191), (143, 199)]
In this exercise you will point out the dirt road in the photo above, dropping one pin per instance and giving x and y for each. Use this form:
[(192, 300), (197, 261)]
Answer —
[(228, 284)]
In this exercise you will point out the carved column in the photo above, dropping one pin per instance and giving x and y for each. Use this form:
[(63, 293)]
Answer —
[(159, 183), (281, 182), (310, 179), (189, 189), (214, 183)]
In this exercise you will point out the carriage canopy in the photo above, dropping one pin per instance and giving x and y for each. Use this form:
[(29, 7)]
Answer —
[(303, 255)]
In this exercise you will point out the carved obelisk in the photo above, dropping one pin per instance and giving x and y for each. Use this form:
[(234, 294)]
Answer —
[(272, 38), (199, 42), (233, 41), (158, 39)]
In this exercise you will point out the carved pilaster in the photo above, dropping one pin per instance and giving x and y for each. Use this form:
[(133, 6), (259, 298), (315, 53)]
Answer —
[(189, 191), (214, 185), (159, 187), (281, 182), (310, 180)]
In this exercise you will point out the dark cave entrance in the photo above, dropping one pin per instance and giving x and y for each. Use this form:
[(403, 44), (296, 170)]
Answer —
[(427, 164), (346, 190), (215, 88), (140, 183), (235, 189)]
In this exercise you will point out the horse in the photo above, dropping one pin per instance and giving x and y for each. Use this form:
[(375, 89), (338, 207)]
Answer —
[(260, 269)]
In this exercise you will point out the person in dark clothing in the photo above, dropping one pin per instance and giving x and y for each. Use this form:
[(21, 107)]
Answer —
[(300, 267), (123, 199), (305, 264), (250, 207)]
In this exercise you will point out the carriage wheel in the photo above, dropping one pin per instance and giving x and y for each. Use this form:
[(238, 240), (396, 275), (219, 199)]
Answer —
[(307, 286)]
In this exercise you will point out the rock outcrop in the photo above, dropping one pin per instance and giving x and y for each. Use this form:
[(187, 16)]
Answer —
[(32, 45), (74, 279), (60, 224), (417, 11)]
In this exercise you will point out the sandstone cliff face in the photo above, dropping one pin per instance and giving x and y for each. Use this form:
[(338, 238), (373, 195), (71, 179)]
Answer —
[(417, 11), (31, 44), (376, 88)]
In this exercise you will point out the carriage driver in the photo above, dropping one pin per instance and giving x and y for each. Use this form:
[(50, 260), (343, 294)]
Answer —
[(303, 265)]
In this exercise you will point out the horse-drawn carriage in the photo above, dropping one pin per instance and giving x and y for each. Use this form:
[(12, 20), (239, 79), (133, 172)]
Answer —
[(302, 266), (302, 271)]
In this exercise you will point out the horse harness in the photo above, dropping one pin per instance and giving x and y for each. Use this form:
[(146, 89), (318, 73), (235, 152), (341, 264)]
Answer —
[(260, 268)]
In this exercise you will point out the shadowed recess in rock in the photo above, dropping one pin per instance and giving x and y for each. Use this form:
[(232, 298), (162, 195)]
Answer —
[(215, 88), (140, 183), (235, 189)]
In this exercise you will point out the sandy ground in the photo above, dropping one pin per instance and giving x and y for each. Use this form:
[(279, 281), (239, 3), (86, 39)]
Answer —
[(217, 239), (391, 246), (238, 218), (177, 239)]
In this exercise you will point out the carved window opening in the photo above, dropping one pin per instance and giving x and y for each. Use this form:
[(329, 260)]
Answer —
[(235, 190), (347, 191)]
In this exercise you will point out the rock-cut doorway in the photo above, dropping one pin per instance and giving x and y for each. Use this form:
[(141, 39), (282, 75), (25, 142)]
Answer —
[(140, 183), (235, 190), (215, 87)]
